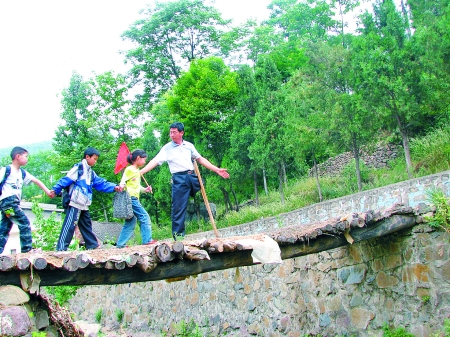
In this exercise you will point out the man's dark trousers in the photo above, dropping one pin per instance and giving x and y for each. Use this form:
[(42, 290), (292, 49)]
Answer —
[(184, 185)]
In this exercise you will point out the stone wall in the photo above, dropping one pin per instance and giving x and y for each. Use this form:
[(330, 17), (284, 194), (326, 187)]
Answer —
[(377, 157), (22, 314), (400, 280)]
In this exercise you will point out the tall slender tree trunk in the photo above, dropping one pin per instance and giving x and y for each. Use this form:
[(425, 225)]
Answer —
[(405, 142), (265, 182), (316, 175), (280, 178), (236, 203), (356, 156), (283, 168), (226, 199), (255, 187), (105, 214)]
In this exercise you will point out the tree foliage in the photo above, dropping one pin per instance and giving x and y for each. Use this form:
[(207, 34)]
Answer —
[(174, 34), (309, 89)]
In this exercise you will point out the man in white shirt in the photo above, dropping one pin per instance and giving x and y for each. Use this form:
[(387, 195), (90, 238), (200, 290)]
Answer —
[(179, 155)]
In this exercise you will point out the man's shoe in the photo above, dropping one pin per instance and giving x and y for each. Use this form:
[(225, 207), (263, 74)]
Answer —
[(151, 242), (178, 236)]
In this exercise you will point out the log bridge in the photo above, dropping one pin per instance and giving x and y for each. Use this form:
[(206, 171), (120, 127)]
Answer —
[(176, 260)]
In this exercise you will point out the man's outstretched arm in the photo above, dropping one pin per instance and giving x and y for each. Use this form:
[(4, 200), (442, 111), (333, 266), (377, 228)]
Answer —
[(220, 171), (150, 166)]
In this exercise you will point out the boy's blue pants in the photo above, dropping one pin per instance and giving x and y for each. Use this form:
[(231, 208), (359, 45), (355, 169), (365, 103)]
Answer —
[(19, 217)]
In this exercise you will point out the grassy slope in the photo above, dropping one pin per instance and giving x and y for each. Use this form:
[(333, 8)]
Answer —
[(430, 154)]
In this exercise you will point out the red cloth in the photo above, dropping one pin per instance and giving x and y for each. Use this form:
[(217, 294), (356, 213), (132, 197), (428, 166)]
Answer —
[(121, 161)]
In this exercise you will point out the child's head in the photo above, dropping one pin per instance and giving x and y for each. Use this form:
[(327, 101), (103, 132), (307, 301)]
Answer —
[(19, 154), (135, 155), (91, 155)]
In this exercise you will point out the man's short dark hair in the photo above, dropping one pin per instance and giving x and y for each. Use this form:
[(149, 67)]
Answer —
[(17, 150), (90, 151), (178, 125)]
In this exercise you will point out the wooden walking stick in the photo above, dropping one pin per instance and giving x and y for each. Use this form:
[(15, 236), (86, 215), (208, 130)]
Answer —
[(205, 198), (145, 180)]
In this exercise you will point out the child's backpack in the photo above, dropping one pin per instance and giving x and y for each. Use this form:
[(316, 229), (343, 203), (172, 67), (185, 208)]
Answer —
[(67, 191), (7, 173)]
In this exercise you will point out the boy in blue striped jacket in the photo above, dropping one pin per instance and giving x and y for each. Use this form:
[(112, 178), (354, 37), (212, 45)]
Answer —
[(81, 180)]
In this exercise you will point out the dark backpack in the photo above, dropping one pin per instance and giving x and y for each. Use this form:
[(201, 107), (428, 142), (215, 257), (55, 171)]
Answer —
[(7, 173), (66, 192)]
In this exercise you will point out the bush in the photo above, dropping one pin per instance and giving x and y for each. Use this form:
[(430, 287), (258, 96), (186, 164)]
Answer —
[(98, 315), (399, 332), (432, 152), (62, 294), (441, 217)]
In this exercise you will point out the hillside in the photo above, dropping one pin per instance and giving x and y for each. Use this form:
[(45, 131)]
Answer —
[(32, 148)]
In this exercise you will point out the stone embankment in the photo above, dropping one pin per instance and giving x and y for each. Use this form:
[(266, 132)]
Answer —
[(378, 157), (402, 280), (22, 314)]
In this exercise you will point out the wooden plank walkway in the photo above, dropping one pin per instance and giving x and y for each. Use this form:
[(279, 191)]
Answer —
[(177, 260)]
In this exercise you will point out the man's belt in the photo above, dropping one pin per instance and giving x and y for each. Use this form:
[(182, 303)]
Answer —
[(183, 173)]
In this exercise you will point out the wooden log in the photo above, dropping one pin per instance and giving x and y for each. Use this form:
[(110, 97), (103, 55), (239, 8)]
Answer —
[(205, 244), (70, 263), (83, 260), (280, 238), (180, 268), (313, 234), (131, 260), (23, 264), (38, 262), (356, 222), (229, 246), (119, 265), (97, 265), (216, 247), (329, 229), (341, 226), (146, 264), (164, 253), (6, 263), (109, 265), (197, 255), (178, 247)]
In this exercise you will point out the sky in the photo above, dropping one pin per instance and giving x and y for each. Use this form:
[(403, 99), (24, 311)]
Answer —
[(44, 41)]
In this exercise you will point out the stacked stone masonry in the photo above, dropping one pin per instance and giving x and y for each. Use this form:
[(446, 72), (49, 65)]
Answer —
[(22, 314), (402, 280), (377, 157)]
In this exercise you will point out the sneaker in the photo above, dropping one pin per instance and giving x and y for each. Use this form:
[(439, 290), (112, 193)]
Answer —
[(178, 236), (151, 242), (34, 251)]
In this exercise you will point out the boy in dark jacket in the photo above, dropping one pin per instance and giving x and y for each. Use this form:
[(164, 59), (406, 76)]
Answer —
[(77, 212)]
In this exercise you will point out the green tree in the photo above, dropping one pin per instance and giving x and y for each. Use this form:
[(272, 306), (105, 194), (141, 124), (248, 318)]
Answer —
[(204, 98), (40, 165), (47, 230), (72, 136), (158, 204), (243, 132), (113, 110), (431, 45), (174, 34), (267, 151), (302, 20), (96, 113), (388, 73), (307, 123)]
